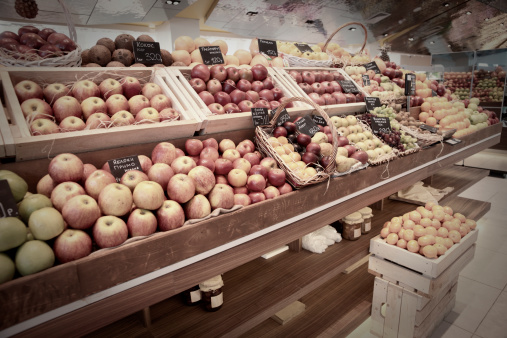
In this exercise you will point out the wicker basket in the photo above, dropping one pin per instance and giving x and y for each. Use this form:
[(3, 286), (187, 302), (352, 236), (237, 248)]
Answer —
[(382, 159), (341, 63), (295, 61), (71, 59), (263, 133)]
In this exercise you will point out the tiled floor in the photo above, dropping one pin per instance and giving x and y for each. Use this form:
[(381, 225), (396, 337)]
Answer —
[(481, 300)]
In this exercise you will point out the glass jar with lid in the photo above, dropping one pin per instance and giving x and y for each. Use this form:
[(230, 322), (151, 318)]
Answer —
[(352, 226), (212, 295), (367, 215)]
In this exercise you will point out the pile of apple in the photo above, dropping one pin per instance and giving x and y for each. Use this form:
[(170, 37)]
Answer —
[(357, 143), (323, 88), (78, 206), (86, 105), (430, 230), (234, 90), (31, 43)]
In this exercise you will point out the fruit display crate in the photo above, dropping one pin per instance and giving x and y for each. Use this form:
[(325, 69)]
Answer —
[(331, 110), (40, 146), (103, 278), (212, 123), (7, 148)]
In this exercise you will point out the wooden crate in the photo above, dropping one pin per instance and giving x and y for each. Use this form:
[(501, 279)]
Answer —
[(334, 109), (32, 147), (7, 148), (398, 312), (178, 78)]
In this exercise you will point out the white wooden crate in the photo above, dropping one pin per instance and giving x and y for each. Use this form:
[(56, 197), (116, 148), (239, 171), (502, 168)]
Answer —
[(419, 263), (7, 148), (398, 312), (178, 78)]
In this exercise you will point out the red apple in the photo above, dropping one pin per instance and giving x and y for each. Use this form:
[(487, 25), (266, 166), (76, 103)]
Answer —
[(271, 192), (66, 167), (210, 142), (252, 158), (198, 84), (222, 98), (285, 189), (252, 96), (313, 147), (360, 155), (245, 106), (72, 245), (27, 89), (243, 85), (266, 94), (237, 96), (207, 97), (259, 72), (141, 222), (209, 152), (246, 74), (269, 163), (257, 86), (304, 140), (221, 196), (231, 108), (262, 104), (309, 158), (170, 216), (223, 166), (216, 109), (233, 74), (214, 86), (228, 86), (276, 177), (201, 71), (350, 148), (218, 72), (164, 152), (181, 188), (256, 197)]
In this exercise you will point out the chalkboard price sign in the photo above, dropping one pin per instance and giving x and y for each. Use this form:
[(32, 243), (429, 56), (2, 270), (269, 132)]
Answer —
[(268, 47), (147, 52), (372, 66), (410, 84), (8, 206), (303, 47), (306, 125), (366, 80), (319, 120), (211, 55), (380, 125), (260, 116), (282, 118), (453, 141), (428, 128), (372, 102), (120, 166), (348, 86)]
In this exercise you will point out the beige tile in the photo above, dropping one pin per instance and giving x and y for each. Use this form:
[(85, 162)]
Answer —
[(362, 331), (476, 336), (488, 159), (447, 330), (485, 268), (473, 301), (494, 324), (492, 234), (484, 189)]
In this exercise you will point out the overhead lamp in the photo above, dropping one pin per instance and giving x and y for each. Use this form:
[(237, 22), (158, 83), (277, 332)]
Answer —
[(410, 39), (352, 29), (173, 2), (487, 19), (468, 13), (432, 42), (501, 24), (252, 13), (446, 4), (449, 46), (385, 34)]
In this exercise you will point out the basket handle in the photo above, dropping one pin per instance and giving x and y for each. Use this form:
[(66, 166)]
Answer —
[(70, 23), (343, 26), (322, 113)]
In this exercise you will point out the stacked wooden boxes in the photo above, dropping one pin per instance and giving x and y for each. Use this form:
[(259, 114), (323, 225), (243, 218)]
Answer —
[(413, 294)]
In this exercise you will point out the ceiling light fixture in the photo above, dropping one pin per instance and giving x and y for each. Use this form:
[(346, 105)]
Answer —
[(487, 19), (432, 42), (252, 13), (449, 46), (352, 29), (468, 13), (446, 4), (410, 39), (173, 2), (501, 24), (385, 34)]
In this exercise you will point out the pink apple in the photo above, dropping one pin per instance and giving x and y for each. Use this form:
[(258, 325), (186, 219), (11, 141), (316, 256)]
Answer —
[(271, 192), (66, 167), (240, 190), (257, 86), (233, 74), (244, 85), (222, 98), (213, 86), (97, 181), (151, 89), (170, 216), (231, 108), (169, 114), (131, 86), (43, 127), (36, 109), (147, 115), (160, 173), (116, 103), (160, 102), (201, 72), (84, 89), (110, 231), (242, 199), (198, 207), (148, 195), (285, 189), (216, 109), (207, 97), (132, 178), (210, 153), (54, 91), (218, 72), (137, 103), (252, 158), (64, 192), (71, 123), (221, 179), (231, 154), (27, 89), (223, 166), (259, 169), (141, 222), (81, 212), (262, 104), (237, 177), (66, 106), (110, 87), (256, 197), (252, 96), (266, 94), (277, 93), (204, 179), (206, 162), (197, 84), (269, 163), (210, 142), (256, 183), (226, 144), (182, 165), (145, 162), (245, 106), (72, 245), (122, 118), (221, 196), (181, 188)]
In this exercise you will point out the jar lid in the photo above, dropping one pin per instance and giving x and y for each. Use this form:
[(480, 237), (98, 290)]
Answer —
[(366, 212), (353, 217), (212, 284)]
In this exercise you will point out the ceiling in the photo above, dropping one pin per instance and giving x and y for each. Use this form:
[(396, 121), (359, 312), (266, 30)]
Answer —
[(418, 27)]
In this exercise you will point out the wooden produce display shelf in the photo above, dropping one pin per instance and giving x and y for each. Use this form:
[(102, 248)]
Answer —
[(178, 78), (334, 109), (42, 146), (136, 275)]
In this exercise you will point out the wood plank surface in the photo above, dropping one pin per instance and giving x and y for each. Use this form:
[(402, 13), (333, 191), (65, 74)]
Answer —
[(151, 254)]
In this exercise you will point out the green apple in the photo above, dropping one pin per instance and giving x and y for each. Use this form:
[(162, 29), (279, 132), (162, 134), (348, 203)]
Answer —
[(31, 203), (46, 223), (18, 186), (34, 256), (7, 268), (12, 233)]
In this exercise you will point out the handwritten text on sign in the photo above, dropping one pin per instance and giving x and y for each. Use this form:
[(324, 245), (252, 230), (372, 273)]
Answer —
[(260, 116), (380, 125), (147, 52), (268, 47), (120, 166), (306, 125), (211, 55)]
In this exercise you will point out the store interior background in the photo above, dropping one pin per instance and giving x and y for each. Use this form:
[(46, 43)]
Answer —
[(417, 31)]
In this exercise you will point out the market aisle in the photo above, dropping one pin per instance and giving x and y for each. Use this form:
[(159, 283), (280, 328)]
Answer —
[(481, 300)]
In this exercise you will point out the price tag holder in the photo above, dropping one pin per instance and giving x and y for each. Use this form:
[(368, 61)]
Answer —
[(380, 125), (147, 52), (211, 55), (306, 125), (410, 84), (453, 141), (268, 47), (366, 80), (428, 128), (120, 166), (372, 102), (372, 66), (260, 116), (8, 206), (319, 120), (303, 47), (348, 86), (282, 118)]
